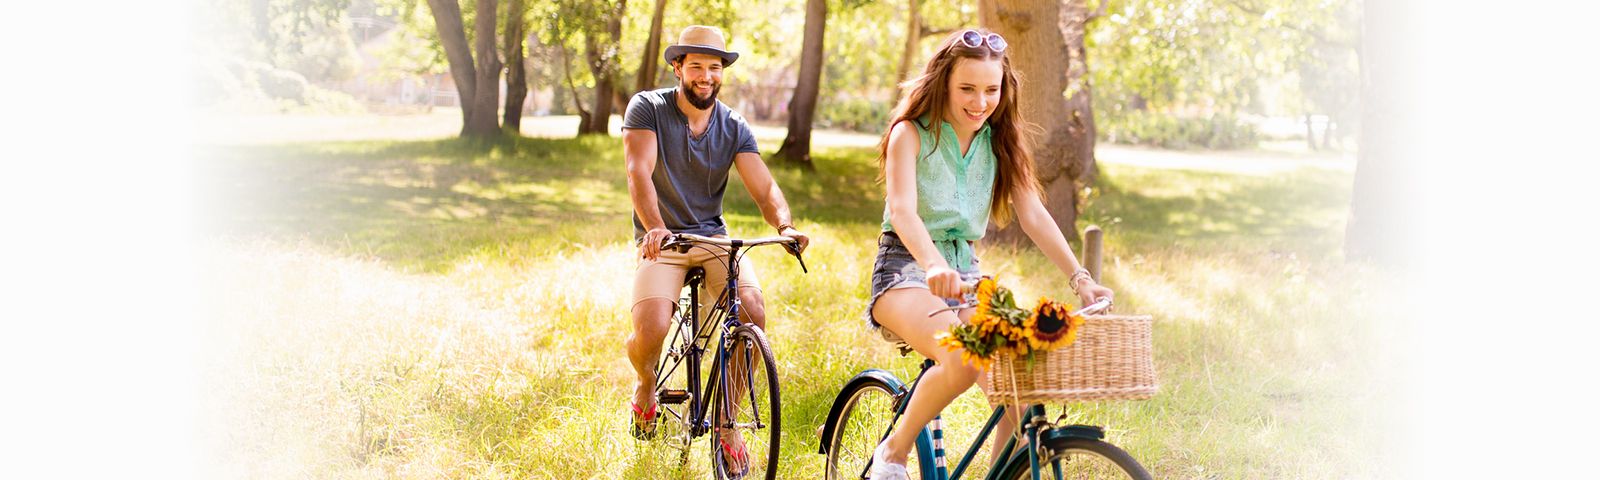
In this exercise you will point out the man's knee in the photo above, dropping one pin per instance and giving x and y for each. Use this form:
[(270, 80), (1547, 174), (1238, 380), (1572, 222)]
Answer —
[(753, 306), (651, 317)]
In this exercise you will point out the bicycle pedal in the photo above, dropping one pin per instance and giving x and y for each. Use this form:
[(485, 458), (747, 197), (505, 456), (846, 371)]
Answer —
[(673, 396)]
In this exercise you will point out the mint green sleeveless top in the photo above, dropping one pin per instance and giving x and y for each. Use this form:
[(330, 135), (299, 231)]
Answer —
[(953, 191)]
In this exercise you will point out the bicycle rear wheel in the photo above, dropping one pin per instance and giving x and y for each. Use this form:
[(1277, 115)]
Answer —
[(674, 373), (867, 413), (1079, 459), (746, 402)]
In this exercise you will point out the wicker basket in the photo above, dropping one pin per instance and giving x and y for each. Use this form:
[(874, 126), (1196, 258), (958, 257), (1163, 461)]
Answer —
[(1110, 360)]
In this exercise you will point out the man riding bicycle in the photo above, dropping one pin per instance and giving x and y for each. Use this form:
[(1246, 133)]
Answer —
[(680, 144)]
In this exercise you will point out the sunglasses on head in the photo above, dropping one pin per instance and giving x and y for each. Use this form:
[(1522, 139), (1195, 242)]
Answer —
[(973, 39)]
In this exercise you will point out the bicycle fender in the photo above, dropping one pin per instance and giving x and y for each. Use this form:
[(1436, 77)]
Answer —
[(1086, 432), (870, 375)]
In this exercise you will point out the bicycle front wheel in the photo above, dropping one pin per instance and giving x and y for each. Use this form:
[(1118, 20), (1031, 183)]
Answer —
[(1079, 459), (746, 408), (865, 416)]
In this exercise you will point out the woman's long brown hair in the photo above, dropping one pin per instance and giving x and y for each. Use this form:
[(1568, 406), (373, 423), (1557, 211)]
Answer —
[(930, 92)]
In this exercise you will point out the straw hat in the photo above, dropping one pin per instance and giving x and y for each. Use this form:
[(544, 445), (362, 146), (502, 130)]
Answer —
[(701, 39)]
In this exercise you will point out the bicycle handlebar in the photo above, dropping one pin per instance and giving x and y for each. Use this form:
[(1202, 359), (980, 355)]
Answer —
[(1100, 305), (686, 238), (683, 241)]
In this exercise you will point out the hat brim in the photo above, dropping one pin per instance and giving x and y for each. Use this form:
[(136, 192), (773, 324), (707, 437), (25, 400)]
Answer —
[(678, 51)]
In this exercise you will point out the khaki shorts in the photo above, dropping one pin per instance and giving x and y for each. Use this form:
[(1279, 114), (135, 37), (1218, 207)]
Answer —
[(663, 277)]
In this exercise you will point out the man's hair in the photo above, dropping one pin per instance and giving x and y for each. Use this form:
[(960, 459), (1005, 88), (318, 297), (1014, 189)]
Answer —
[(930, 93), (678, 60)]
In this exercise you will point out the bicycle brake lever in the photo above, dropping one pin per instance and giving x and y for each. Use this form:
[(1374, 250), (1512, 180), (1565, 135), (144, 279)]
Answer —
[(676, 243), (957, 307), (794, 249)]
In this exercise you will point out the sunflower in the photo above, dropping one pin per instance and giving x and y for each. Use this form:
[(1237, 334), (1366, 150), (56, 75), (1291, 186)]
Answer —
[(1053, 325), (1000, 327)]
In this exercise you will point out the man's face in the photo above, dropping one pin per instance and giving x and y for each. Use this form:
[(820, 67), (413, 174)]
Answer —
[(700, 78)]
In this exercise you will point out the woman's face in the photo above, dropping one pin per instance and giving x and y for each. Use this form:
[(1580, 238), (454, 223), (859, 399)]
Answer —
[(974, 92)]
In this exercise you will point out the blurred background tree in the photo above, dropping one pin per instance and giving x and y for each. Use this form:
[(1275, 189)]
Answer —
[(1166, 73), (1209, 73)]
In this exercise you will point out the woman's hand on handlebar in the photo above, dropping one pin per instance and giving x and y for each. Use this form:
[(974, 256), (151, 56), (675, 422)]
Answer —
[(944, 282), (1090, 292)]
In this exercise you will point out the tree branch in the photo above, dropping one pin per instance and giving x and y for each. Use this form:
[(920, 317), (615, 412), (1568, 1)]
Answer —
[(927, 32), (1098, 11)]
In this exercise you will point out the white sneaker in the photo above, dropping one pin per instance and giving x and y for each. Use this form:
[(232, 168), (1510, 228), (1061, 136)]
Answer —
[(883, 470)]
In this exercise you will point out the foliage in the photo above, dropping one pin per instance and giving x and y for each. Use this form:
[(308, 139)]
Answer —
[(275, 55), (856, 114), (866, 40), (1202, 58), (310, 37), (1217, 131)]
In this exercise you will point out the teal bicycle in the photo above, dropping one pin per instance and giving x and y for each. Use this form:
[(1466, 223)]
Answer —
[(872, 402)]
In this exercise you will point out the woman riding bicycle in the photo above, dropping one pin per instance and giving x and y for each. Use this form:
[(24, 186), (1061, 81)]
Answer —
[(954, 158)]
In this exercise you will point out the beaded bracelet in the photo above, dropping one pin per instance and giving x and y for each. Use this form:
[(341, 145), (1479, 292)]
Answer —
[(1081, 272)]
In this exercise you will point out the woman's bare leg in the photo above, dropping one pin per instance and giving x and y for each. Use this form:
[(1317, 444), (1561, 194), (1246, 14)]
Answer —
[(905, 312)]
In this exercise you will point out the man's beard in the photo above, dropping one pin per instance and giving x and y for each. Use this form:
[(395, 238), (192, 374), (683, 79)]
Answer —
[(696, 101)]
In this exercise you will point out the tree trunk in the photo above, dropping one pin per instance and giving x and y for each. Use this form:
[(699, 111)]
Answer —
[(1047, 51), (453, 36), (516, 67), (908, 60), (482, 121), (1311, 133), (261, 14), (652, 51), (1377, 198), (572, 87), (796, 146), (602, 60)]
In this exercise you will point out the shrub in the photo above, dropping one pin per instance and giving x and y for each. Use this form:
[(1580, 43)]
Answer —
[(855, 114), (1219, 131)]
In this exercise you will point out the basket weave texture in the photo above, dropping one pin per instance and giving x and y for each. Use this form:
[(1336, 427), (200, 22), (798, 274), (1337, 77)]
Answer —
[(1111, 359)]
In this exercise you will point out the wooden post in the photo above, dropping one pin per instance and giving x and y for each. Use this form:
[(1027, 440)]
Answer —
[(1092, 251)]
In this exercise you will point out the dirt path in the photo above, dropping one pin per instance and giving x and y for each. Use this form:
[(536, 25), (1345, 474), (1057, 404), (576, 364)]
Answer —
[(216, 129)]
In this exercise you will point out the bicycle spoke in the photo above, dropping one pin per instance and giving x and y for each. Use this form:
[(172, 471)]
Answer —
[(1085, 460), (866, 419)]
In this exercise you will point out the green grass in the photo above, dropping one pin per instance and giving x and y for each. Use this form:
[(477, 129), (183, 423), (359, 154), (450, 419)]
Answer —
[(426, 309)]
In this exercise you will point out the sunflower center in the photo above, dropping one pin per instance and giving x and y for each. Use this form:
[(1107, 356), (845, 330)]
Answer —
[(1049, 323)]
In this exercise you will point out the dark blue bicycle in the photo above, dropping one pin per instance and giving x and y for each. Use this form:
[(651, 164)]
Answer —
[(740, 394)]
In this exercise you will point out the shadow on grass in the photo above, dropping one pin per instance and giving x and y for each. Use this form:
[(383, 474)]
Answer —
[(1160, 208), (422, 204), (430, 205)]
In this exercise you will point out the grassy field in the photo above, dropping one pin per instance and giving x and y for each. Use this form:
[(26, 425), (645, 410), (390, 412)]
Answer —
[(428, 309)]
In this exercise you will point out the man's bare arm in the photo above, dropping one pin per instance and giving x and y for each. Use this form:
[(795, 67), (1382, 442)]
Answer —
[(639, 148), (769, 198)]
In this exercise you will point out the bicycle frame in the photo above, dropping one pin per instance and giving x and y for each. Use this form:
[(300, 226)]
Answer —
[(725, 313), (931, 460)]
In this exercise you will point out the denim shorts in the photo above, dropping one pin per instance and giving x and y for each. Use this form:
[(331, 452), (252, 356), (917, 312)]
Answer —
[(895, 268)]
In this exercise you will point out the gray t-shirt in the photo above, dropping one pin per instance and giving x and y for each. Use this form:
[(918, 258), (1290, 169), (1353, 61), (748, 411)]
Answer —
[(691, 173)]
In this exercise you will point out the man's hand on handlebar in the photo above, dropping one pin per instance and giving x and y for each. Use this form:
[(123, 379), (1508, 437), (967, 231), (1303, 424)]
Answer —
[(650, 245), (798, 236)]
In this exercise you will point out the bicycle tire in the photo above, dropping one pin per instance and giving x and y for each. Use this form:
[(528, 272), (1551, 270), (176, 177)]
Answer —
[(1086, 459), (864, 417), (763, 424)]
